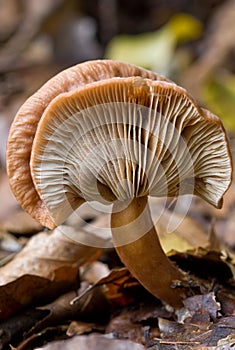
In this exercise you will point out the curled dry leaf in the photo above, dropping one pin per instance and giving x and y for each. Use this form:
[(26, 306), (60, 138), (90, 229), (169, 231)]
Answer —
[(93, 307), (46, 267)]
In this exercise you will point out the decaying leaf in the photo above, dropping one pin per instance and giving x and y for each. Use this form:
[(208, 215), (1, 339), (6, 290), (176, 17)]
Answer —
[(46, 267), (93, 307)]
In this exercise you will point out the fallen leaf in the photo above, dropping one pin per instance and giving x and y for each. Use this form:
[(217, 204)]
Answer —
[(118, 287), (47, 266), (93, 307)]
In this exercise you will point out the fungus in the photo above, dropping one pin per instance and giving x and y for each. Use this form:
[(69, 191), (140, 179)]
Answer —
[(118, 140)]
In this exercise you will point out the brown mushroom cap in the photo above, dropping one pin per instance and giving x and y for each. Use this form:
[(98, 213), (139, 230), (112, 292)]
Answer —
[(122, 138), (25, 125)]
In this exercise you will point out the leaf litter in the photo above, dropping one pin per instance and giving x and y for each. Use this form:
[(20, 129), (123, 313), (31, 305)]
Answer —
[(68, 291), (53, 291)]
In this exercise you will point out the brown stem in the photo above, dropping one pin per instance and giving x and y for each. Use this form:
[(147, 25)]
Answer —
[(137, 244)]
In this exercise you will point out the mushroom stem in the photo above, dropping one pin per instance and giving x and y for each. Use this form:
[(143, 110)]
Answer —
[(138, 246)]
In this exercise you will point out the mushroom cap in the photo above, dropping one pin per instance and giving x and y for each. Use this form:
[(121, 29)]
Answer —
[(25, 124), (121, 138)]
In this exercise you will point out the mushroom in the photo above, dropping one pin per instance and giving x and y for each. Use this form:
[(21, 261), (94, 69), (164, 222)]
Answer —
[(25, 123), (119, 140)]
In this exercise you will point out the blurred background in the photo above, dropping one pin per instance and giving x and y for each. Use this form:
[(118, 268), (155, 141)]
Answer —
[(189, 41)]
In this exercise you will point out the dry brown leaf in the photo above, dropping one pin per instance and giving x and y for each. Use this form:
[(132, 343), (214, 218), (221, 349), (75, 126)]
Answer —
[(46, 267), (119, 287), (93, 307)]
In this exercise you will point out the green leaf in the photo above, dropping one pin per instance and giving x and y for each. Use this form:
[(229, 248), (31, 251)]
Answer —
[(155, 50)]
